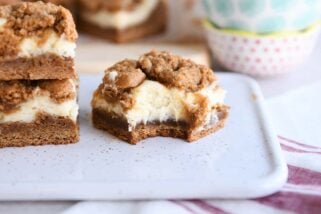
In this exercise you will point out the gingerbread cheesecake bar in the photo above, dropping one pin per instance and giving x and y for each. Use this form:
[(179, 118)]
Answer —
[(37, 112), (159, 95), (122, 20), (38, 41)]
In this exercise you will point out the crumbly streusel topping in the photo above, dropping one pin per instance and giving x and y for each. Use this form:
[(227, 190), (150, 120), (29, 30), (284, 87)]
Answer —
[(119, 80), (12, 93), (33, 18), (175, 71)]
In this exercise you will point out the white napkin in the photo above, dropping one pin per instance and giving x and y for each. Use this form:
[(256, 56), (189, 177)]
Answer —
[(297, 114), (127, 207)]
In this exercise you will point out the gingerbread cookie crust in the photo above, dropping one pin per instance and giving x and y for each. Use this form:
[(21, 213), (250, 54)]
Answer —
[(160, 94), (118, 127), (46, 66), (46, 129)]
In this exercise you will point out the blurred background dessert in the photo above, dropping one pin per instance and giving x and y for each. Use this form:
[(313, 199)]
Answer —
[(128, 21), (122, 21)]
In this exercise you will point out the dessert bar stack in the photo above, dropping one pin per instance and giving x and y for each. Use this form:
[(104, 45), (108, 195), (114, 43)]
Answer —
[(38, 82)]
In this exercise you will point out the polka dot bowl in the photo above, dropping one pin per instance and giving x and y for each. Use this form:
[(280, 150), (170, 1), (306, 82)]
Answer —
[(263, 16), (261, 55)]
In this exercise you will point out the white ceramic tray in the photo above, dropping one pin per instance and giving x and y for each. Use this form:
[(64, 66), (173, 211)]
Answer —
[(243, 160)]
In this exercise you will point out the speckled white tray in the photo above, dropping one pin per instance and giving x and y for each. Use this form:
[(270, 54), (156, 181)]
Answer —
[(242, 160)]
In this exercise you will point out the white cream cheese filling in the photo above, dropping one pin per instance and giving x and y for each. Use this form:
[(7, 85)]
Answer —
[(155, 102), (112, 75), (3, 21), (59, 45), (122, 19), (41, 104)]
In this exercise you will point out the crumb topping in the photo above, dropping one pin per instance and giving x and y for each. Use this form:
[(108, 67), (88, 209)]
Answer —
[(175, 71), (125, 74), (15, 92), (12, 93), (59, 90), (164, 67), (29, 19), (118, 81), (9, 45), (113, 6)]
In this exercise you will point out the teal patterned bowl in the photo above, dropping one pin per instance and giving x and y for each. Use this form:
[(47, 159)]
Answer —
[(263, 16)]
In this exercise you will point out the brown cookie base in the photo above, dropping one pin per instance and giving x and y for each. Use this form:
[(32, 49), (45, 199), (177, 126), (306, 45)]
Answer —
[(47, 66), (155, 24), (119, 128), (47, 129)]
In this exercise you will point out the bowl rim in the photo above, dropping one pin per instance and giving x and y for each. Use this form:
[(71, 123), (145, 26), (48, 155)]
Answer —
[(209, 25)]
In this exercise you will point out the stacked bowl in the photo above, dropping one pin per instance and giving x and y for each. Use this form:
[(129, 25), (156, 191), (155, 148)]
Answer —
[(262, 37)]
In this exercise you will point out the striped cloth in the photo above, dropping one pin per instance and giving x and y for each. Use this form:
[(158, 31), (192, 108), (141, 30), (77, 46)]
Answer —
[(296, 115)]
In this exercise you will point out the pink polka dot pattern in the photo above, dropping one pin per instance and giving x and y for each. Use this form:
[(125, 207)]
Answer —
[(261, 56)]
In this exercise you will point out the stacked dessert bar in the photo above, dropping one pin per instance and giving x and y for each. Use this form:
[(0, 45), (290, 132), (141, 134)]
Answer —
[(38, 83), (122, 20)]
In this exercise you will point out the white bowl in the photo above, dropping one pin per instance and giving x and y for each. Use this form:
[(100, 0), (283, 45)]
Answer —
[(261, 55), (263, 16)]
